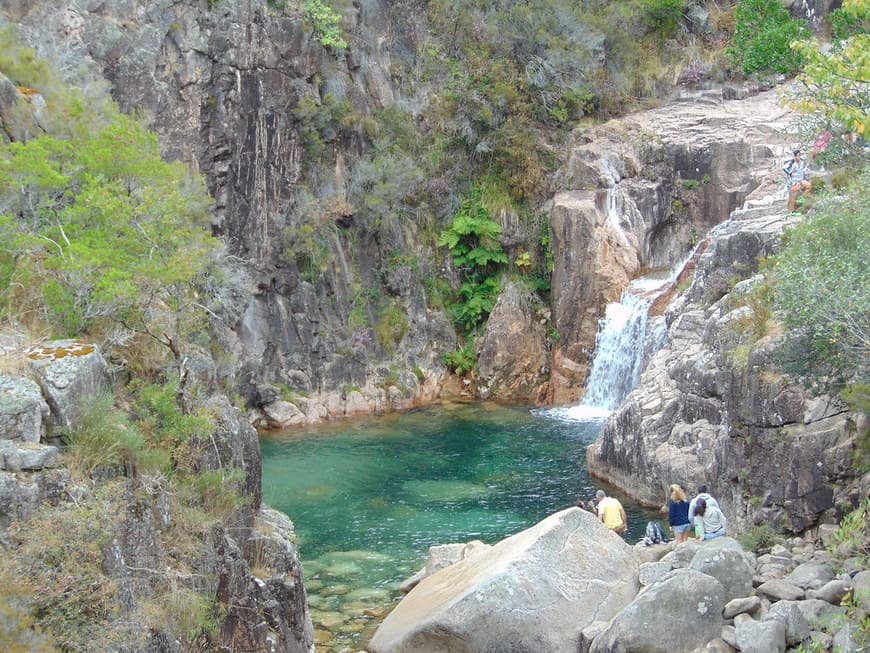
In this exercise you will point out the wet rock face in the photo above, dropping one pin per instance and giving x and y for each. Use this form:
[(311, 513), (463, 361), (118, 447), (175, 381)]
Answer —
[(638, 193), (710, 407)]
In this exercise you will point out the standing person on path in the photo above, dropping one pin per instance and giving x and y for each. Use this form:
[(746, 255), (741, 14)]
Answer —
[(678, 514), (796, 173), (611, 512), (702, 494)]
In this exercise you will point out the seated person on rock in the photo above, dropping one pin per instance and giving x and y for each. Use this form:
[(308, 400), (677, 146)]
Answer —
[(611, 512), (709, 521), (702, 494)]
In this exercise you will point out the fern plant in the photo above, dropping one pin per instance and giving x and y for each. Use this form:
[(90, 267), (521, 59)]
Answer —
[(472, 238)]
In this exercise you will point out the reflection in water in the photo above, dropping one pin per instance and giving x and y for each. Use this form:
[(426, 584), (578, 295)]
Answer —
[(370, 497)]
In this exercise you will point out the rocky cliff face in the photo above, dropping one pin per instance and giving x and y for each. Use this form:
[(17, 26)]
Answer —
[(146, 549), (712, 406), (240, 90), (324, 314), (638, 193)]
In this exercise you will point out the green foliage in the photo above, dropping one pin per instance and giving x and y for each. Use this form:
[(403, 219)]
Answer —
[(851, 19), (833, 87), (663, 16), (325, 22), (162, 422), (104, 438), (319, 121), (852, 536), (462, 360), (216, 491), (763, 35), (477, 298), (472, 238), (188, 613), (103, 234), (857, 396), (822, 280), (391, 326), (760, 537)]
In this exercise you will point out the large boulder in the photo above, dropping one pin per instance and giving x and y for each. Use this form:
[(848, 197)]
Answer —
[(676, 615), (71, 373), (728, 566), (512, 355), (533, 592)]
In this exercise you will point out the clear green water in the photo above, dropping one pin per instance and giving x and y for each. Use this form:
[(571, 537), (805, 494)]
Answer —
[(369, 497)]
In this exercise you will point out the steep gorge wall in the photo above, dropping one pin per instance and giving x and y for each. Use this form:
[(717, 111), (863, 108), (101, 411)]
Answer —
[(243, 92), (637, 194), (226, 86)]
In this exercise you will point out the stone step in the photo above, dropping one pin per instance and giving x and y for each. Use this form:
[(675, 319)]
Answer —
[(758, 209)]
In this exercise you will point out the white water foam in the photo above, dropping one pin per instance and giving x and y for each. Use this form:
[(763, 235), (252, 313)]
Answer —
[(623, 342)]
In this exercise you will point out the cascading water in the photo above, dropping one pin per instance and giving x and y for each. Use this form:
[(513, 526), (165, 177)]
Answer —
[(626, 337), (618, 360), (619, 348)]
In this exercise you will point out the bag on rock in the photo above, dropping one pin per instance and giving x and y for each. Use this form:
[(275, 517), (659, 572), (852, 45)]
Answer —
[(654, 534)]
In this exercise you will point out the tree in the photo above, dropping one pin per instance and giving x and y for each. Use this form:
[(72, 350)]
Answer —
[(763, 33), (101, 235), (835, 82)]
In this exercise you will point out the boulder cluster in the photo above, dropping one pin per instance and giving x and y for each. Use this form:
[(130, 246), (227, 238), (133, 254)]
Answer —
[(569, 584), (715, 597)]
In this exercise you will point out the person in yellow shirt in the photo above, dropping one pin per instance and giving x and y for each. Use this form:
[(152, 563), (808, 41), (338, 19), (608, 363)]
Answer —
[(611, 512)]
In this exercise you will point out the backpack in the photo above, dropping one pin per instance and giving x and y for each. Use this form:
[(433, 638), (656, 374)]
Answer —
[(654, 534)]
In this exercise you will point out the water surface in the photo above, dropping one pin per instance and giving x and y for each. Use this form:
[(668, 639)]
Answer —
[(369, 497)]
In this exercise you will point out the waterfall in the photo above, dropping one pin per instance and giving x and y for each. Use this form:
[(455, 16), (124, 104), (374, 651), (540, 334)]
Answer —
[(626, 337), (618, 360), (619, 348)]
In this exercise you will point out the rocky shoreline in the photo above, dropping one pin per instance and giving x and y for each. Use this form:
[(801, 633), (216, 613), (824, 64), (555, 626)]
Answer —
[(524, 594)]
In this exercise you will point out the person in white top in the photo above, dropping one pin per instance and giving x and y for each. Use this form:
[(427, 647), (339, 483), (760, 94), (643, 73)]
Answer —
[(709, 521), (702, 494)]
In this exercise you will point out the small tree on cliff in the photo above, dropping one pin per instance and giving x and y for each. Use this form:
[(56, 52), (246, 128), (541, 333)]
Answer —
[(102, 237)]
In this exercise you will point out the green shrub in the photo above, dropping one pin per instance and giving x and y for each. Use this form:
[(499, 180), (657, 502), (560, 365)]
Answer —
[(472, 240), (760, 537), (852, 536), (325, 22), (217, 491), (462, 360), (763, 35), (663, 16), (822, 280), (104, 438), (391, 326)]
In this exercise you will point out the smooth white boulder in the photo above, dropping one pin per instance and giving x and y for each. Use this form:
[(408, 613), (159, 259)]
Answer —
[(533, 592)]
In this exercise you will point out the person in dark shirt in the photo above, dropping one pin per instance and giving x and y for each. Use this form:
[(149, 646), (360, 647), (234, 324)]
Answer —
[(678, 514)]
